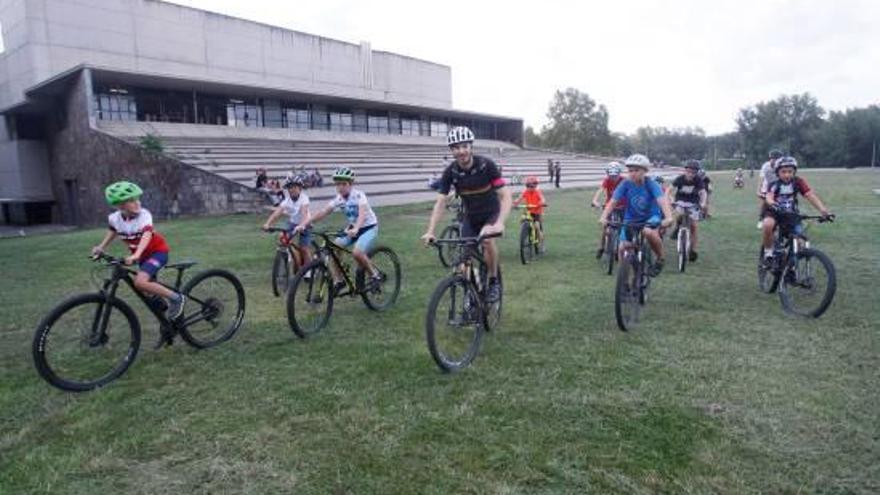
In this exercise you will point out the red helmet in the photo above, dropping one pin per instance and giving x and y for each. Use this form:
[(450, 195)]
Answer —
[(531, 180)]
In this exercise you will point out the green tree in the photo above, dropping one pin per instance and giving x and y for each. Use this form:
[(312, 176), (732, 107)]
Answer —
[(577, 123), (787, 122), (532, 139)]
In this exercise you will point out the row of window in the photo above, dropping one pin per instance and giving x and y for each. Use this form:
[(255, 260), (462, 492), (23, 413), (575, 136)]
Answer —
[(123, 106)]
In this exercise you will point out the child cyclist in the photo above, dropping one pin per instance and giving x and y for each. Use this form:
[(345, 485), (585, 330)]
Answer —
[(612, 179), (362, 229), (296, 207), (535, 203), (645, 203), (134, 226), (782, 199)]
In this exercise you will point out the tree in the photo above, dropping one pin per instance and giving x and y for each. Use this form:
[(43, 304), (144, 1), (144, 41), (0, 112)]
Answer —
[(577, 123), (846, 139), (786, 123), (532, 139)]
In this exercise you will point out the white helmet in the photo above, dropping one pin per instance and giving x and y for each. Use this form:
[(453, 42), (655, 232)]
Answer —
[(613, 169), (459, 135), (638, 160)]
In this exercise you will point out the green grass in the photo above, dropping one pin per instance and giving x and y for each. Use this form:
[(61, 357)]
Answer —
[(719, 392)]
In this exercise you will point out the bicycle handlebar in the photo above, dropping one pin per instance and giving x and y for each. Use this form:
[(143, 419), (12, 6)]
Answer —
[(465, 240), (274, 229), (111, 260)]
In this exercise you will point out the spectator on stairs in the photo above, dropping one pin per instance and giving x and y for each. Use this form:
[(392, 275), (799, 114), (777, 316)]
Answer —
[(262, 178), (557, 171), (550, 169)]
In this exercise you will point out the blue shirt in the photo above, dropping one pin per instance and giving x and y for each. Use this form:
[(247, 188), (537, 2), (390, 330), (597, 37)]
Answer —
[(641, 201)]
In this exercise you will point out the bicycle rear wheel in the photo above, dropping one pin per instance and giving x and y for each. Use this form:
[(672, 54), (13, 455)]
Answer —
[(215, 308), (383, 295), (280, 273), (72, 353), (454, 324), (449, 252), (310, 299), (808, 286), (628, 294), (682, 245), (525, 243)]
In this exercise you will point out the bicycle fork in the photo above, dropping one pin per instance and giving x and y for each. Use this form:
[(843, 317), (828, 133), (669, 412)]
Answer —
[(98, 335)]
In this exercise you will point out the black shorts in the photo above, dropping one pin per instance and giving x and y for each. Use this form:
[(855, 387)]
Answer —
[(471, 225)]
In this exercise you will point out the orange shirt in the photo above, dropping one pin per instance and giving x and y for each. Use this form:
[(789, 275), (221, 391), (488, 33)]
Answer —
[(533, 197)]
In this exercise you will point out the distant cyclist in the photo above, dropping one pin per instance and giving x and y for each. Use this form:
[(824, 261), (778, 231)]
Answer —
[(535, 203), (612, 179), (486, 201), (689, 194), (765, 177)]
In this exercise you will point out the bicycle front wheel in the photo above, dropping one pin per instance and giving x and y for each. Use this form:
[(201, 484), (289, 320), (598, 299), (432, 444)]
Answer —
[(683, 244), (609, 256), (808, 285), (449, 252), (768, 279), (454, 324), (525, 243), (82, 344), (280, 273), (381, 294), (214, 308), (628, 294), (310, 299)]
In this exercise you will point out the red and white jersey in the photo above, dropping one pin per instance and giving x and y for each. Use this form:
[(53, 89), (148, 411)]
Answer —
[(130, 230)]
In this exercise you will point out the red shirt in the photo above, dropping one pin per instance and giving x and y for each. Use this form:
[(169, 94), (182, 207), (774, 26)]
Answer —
[(533, 197), (609, 184)]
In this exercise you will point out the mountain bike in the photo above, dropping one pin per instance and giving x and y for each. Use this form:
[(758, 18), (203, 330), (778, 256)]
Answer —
[(803, 276), (531, 245), (458, 313), (611, 240), (633, 279), (91, 339), (312, 292), (288, 260), (683, 232), (448, 253)]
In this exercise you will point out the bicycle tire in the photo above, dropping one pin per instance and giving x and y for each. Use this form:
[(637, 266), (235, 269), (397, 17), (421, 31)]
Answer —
[(525, 243), (627, 294), (768, 278), (492, 312), (302, 293), (212, 307), (448, 252), (367, 296), (471, 315), (787, 286), (42, 340), (684, 234), (280, 273)]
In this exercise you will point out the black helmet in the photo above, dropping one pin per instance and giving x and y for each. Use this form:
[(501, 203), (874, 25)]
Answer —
[(694, 164), (775, 153)]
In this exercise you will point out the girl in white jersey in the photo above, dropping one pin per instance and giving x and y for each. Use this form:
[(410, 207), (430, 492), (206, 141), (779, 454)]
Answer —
[(296, 207)]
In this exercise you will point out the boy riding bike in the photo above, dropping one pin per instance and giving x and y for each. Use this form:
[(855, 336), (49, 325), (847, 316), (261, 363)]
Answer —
[(782, 197), (486, 201), (535, 203), (363, 226), (134, 226), (644, 204), (296, 207), (690, 194), (765, 177), (609, 184)]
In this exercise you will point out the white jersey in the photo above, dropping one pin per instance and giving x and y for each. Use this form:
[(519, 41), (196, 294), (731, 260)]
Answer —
[(293, 209), (351, 207), (767, 175), (131, 230)]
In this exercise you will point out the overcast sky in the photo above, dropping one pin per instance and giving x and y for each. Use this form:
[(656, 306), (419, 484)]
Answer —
[(659, 63)]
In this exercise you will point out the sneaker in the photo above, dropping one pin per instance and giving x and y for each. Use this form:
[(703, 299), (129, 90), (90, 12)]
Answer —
[(338, 286), (375, 282), (175, 308), (493, 292), (599, 252), (692, 256), (656, 268), (307, 275)]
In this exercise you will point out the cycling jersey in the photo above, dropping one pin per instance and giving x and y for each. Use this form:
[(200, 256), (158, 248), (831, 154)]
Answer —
[(293, 209), (609, 184), (352, 205), (688, 190), (767, 175), (131, 230), (533, 197), (641, 200), (785, 193), (476, 186)]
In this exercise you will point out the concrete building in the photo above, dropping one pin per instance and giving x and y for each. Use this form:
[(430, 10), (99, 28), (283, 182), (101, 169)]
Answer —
[(69, 66)]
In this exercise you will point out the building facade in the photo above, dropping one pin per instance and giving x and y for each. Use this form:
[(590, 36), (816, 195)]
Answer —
[(152, 61)]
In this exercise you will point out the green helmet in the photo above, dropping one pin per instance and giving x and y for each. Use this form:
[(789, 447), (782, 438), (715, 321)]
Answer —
[(122, 191), (343, 174)]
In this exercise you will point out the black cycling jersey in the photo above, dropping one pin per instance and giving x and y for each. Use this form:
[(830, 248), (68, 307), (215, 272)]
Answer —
[(476, 186), (688, 190)]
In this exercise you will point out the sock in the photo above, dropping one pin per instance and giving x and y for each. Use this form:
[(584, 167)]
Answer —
[(768, 252)]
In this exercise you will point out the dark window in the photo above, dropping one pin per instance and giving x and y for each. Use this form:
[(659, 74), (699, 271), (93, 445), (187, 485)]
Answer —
[(377, 124), (340, 121)]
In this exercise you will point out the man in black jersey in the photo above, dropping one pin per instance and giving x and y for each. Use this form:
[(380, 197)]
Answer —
[(688, 191), (486, 201)]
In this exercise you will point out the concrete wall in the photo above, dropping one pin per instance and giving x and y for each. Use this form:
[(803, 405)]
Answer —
[(83, 161), (24, 171), (47, 37)]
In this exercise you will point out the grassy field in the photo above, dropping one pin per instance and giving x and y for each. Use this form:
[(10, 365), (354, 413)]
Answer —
[(719, 392)]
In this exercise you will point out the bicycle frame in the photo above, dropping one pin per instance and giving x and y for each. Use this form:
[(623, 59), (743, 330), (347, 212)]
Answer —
[(332, 250)]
